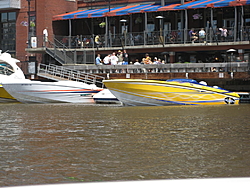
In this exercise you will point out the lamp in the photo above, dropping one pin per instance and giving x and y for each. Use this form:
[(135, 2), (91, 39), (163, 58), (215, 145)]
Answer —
[(231, 51), (161, 35), (124, 23), (159, 17), (124, 29)]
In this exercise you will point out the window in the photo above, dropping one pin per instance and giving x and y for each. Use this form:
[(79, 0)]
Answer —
[(12, 16), (8, 31), (4, 17)]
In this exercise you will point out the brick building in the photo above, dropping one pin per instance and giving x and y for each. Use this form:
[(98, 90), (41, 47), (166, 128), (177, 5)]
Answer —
[(15, 15)]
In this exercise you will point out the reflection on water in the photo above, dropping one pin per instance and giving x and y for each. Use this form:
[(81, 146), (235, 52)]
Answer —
[(56, 143)]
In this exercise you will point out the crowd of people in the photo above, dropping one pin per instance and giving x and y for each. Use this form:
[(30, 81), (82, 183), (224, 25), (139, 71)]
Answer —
[(122, 58), (221, 34)]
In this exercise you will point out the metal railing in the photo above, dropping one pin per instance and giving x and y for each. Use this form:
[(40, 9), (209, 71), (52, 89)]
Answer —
[(165, 68), (165, 37), (213, 35), (62, 52), (55, 72)]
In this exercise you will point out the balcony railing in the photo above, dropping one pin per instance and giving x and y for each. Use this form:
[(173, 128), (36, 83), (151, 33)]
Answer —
[(130, 39), (228, 67), (153, 38)]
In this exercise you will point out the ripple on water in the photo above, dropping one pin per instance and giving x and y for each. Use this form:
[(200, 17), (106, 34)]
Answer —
[(56, 143)]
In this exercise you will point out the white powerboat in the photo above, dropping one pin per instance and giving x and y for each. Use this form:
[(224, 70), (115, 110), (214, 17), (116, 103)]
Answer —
[(14, 87), (105, 97), (8, 71), (27, 91)]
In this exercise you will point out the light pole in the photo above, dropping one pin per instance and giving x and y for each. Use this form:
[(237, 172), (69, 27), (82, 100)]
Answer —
[(161, 39), (124, 30), (107, 29), (231, 51), (28, 23)]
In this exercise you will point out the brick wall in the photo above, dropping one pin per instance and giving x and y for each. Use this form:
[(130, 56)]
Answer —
[(45, 10)]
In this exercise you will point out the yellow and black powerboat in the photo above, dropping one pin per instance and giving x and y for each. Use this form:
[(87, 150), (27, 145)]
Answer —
[(135, 92)]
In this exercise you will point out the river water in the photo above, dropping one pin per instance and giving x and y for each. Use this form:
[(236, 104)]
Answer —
[(62, 143)]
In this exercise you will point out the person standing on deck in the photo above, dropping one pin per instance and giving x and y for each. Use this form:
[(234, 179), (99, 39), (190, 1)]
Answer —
[(98, 60), (120, 57), (45, 36), (107, 60), (125, 57), (114, 59), (223, 33)]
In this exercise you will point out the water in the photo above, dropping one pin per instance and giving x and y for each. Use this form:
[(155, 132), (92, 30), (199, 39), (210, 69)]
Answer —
[(59, 143)]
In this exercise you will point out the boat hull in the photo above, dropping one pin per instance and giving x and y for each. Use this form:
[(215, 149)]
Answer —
[(105, 97), (51, 92), (133, 92), (5, 96)]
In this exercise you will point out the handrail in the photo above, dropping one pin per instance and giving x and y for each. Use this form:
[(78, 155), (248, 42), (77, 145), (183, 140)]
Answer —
[(61, 53), (143, 38), (55, 72), (213, 35), (164, 68)]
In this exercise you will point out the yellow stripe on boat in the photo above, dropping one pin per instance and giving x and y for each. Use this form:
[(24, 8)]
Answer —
[(4, 94)]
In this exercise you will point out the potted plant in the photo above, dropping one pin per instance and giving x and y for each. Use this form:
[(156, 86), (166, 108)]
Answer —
[(102, 24)]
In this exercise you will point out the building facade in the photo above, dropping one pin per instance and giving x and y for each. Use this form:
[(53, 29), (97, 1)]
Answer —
[(160, 27), (157, 27)]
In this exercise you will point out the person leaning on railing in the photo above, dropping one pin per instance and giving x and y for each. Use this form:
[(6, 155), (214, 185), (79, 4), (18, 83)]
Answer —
[(202, 35), (107, 60), (192, 35), (98, 60), (223, 33), (147, 59)]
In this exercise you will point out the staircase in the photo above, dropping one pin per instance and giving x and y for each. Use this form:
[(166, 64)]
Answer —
[(61, 53), (59, 73)]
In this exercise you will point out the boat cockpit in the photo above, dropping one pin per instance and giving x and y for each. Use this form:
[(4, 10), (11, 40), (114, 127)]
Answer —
[(6, 69)]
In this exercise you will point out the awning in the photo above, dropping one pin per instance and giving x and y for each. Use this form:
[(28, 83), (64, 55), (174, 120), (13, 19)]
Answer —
[(92, 13), (173, 6), (66, 15), (212, 3), (132, 9), (169, 7), (117, 11)]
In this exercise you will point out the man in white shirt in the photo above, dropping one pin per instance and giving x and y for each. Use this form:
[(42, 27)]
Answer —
[(106, 60), (223, 33), (114, 59), (45, 36), (202, 35)]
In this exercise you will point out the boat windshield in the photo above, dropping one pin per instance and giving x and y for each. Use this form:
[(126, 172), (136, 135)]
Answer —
[(6, 69), (182, 80)]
